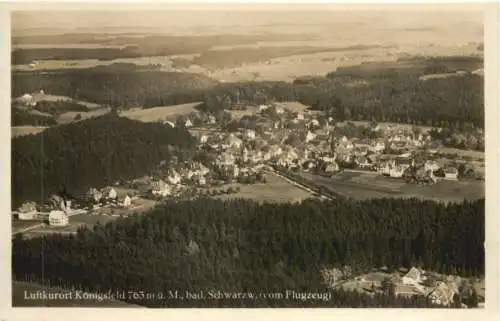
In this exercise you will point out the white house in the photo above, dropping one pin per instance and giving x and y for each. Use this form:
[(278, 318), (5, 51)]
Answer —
[(256, 157), (212, 119), (275, 150), (58, 218), (160, 188), (431, 166), (309, 136), (112, 193), (226, 159), (109, 192), (203, 139), (188, 123), (94, 195), (451, 173), (263, 107), (236, 171), (396, 171), (346, 145), (127, 201), (250, 134), (234, 142), (27, 216), (279, 110), (201, 180), (442, 294), (27, 100), (200, 169), (27, 211), (169, 123), (362, 161), (174, 177), (314, 123), (413, 277), (65, 206), (332, 167), (299, 116), (377, 147)]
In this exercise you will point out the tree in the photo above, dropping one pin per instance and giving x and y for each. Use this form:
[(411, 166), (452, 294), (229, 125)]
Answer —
[(472, 300), (388, 286)]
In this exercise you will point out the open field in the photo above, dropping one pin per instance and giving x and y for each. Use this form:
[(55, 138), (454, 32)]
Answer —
[(19, 289), (385, 125), (26, 130), (275, 189), (37, 97), (372, 185), (19, 225), (160, 113), (393, 36), (438, 76), (75, 222), (238, 114), (69, 116), (64, 46), (164, 62), (293, 106), (474, 154)]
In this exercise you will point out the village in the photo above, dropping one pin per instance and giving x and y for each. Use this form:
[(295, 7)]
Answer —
[(260, 142), (269, 140)]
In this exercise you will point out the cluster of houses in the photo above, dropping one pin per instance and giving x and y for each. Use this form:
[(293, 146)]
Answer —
[(108, 196), (407, 283), (318, 146), (30, 100), (174, 181), (58, 214)]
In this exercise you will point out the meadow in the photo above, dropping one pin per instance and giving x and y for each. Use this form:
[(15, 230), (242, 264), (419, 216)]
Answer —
[(373, 185), (26, 130), (274, 190), (160, 113)]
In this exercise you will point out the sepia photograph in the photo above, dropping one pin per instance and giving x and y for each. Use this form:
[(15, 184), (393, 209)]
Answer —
[(248, 156)]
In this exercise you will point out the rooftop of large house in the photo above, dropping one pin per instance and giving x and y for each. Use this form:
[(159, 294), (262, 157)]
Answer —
[(414, 273), (451, 170)]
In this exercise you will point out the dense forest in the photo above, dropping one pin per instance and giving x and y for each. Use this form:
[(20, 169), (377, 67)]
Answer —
[(130, 45), (118, 85), (59, 107), (241, 245), (90, 153), (22, 117), (394, 92)]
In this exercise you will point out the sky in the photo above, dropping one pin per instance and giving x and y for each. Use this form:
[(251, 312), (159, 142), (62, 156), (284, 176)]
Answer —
[(380, 16)]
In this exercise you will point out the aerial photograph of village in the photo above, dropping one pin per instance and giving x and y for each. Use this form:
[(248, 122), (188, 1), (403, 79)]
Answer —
[(237, 158)]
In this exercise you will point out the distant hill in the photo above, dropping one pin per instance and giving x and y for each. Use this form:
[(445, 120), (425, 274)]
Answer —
[(120, 85), (94, 152)]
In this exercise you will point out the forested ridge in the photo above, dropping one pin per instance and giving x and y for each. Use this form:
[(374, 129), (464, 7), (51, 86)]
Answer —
[(22, 117), (373, 91), (132, 45), (394, 92), (90, 153), (117, 85), (240, 245)]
